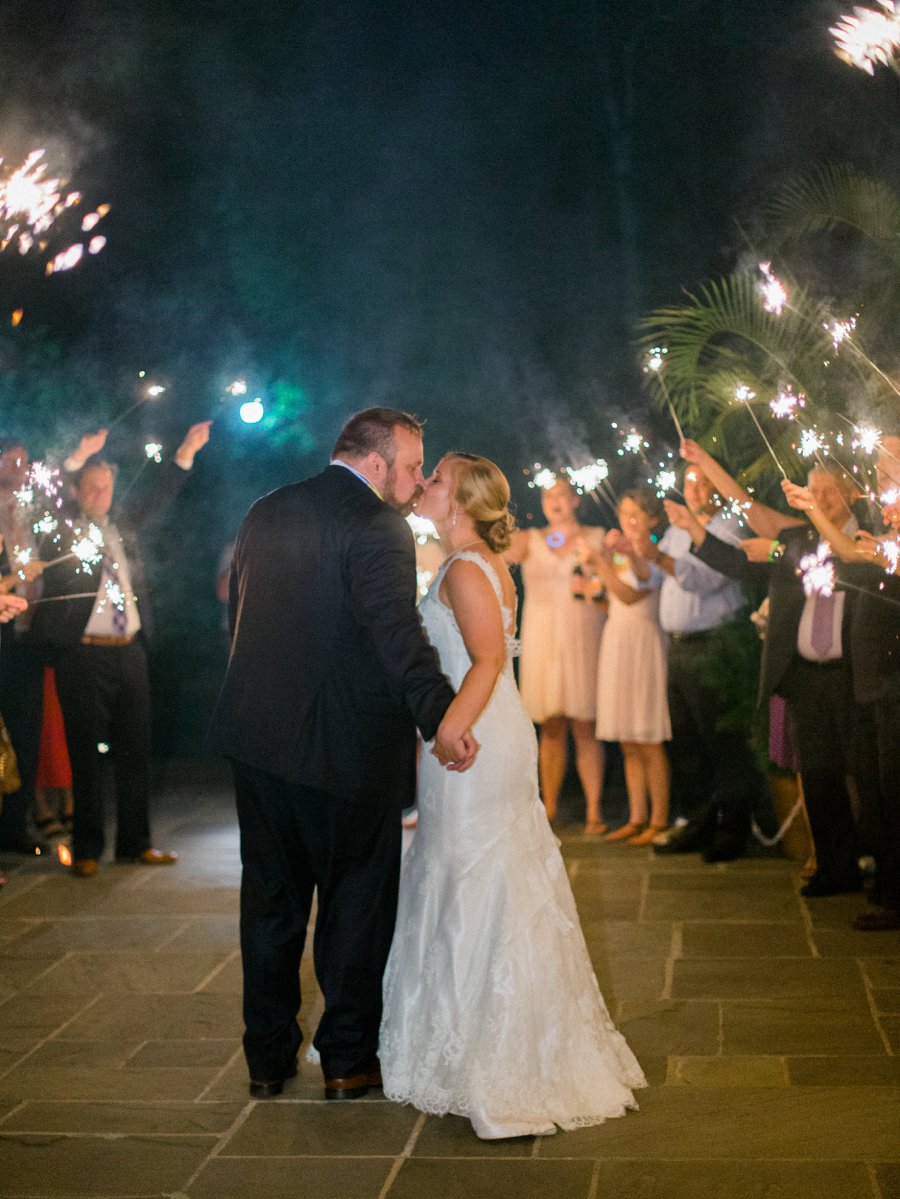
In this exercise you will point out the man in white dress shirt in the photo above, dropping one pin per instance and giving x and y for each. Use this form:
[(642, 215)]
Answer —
[(93, 633)]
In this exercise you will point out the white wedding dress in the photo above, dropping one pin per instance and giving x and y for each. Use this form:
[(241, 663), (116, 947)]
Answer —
[(491, 1007)]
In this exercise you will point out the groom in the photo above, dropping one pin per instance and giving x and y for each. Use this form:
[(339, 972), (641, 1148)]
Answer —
[(329, 675)]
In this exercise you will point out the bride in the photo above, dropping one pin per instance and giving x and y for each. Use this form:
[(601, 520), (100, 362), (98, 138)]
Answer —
[(491, 1008)]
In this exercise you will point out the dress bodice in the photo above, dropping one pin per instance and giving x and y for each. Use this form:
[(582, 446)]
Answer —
[(441, 625)]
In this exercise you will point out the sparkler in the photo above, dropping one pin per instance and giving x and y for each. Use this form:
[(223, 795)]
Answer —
[(88, 549), (811, 444), (153, 450), (787, 402), (588, 478), (665, 481), (423, 529), (891, 552), (774, 293), (817, 571), (840, 331), (869, 38), (544, 478), (867, 439), (237, 388), (653, 364), (744, 395), (152, 392)]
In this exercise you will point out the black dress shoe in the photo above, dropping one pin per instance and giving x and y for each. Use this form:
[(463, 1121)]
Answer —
[(726, 847), (821, 885), (690, 838), (878, 920), (269, 1088)]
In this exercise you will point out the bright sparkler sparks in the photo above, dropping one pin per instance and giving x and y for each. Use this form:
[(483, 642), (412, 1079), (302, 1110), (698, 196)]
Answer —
[(817, 571), (588, 478), (655, 359), (423, 529), (867, 439), (544, 478), (115, 595), (890, 497), (891, 551), (665, 481), (840, 331), (154, 390), (744, 394), (787, 402), (47, 524), (237, 388), (153, 450), (774, 293), (88, 549), (811, 443), (30, 203), (869, 38)]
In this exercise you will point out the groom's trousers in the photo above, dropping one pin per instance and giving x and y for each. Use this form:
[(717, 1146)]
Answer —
[(297, 841)]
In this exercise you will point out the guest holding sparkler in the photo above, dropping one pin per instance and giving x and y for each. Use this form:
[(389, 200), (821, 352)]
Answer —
[(562, 622), (631, 677), (21, 670), (805, 661), (92, 628), (874, 648)]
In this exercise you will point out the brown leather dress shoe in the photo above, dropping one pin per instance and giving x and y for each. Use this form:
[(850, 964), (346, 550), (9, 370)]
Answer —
[(355, 1085), (84, 867), (150, 857)]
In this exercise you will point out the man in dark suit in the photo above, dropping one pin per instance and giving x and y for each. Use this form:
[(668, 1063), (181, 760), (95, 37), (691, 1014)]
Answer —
[(330, 673), (21, 670), (805, 660), (91, 627)]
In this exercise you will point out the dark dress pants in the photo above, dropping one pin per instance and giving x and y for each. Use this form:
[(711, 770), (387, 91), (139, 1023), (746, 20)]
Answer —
[(715, 778), (104, 693), (297, 840), (833, 741), (21, 705)]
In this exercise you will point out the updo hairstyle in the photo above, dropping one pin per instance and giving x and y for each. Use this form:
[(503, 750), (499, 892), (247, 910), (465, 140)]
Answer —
[(483, 492)]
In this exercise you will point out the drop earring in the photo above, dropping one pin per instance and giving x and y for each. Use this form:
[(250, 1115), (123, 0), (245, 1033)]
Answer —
[(455, 518)]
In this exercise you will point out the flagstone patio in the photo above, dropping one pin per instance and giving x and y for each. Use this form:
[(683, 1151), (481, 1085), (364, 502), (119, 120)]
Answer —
[(769, 1032)]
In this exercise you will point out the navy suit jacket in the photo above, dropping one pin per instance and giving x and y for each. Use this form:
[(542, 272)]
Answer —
[(330, 670)]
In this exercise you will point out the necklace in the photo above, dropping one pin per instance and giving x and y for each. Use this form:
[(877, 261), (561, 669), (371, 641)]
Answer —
[(459, 549)]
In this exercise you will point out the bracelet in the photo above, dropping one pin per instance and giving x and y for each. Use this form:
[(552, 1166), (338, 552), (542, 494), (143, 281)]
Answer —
[(776, 549)]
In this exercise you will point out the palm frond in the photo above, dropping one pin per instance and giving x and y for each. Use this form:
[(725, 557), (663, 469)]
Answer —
[(835, 195)]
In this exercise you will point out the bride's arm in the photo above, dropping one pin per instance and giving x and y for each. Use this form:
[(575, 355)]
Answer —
[(480, 621)]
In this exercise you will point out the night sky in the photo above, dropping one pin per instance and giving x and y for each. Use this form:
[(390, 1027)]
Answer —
[(459, 208)]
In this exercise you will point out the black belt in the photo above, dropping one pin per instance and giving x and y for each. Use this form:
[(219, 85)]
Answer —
[(828, 664)]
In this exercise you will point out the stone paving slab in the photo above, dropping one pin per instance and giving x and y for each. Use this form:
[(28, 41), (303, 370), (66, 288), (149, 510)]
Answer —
[(751, 1179), (769, 1031), (43, 1167)]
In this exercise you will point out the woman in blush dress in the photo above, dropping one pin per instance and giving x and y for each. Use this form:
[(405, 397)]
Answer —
[(491, 1007), (561, 629), (632, 707)]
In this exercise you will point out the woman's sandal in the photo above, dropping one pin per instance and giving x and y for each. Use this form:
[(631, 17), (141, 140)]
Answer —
[(648, 836), (625, 832)]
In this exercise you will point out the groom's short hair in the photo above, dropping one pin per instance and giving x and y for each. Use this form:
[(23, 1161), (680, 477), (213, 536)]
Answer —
[(372, 431)]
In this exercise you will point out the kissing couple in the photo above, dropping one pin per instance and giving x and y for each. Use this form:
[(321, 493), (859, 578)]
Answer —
[(475, 994)]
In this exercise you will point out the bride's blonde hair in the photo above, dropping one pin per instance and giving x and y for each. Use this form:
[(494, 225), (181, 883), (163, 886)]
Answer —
[(482, 491)]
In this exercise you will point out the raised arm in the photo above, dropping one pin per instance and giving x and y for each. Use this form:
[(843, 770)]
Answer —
[(848, 549), (763, 520)]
